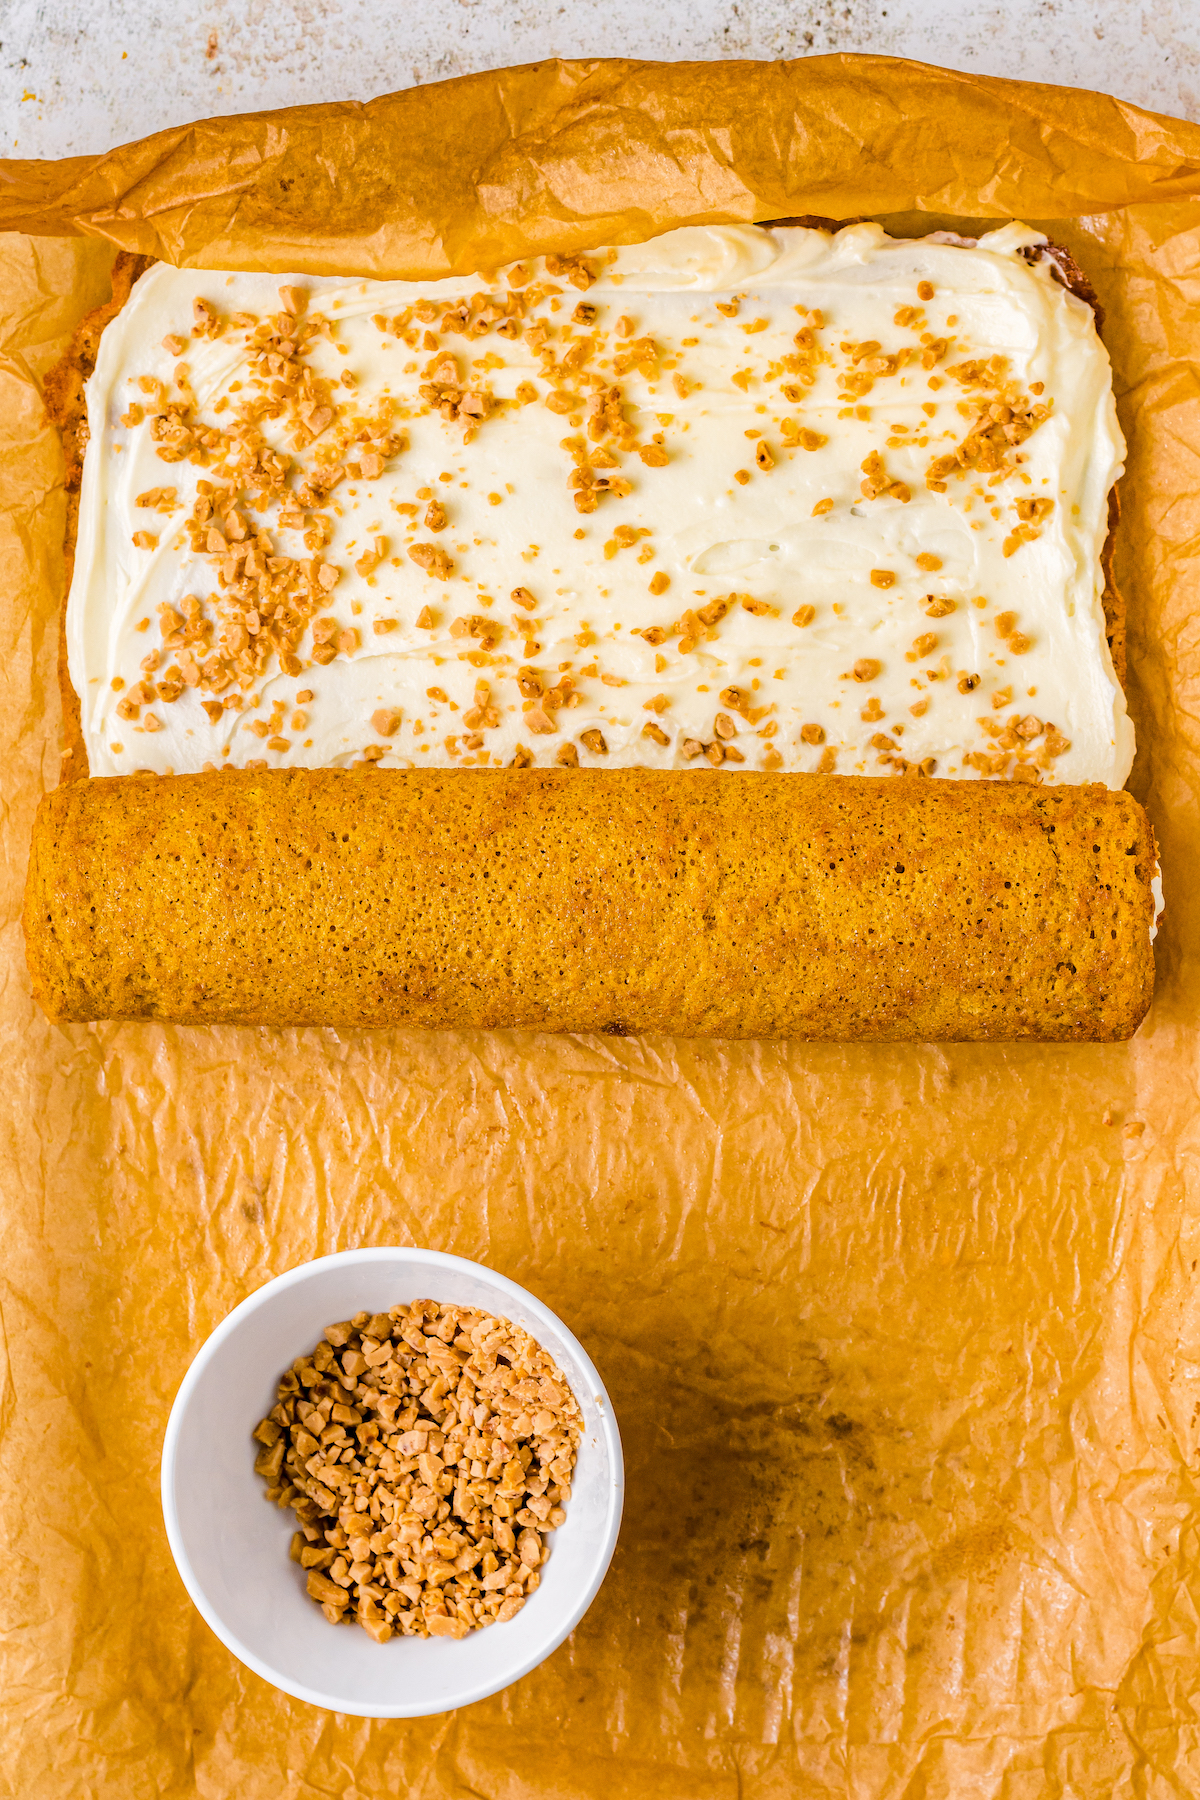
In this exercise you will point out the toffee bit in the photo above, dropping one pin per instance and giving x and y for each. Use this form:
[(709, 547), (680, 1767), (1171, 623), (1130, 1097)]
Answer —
[(482, 716), (572, 268), (655, 733), (714, 611), (475, 625), (432, 559), (800, 437), (593, 740), (205, 319), (877, 482), (160, 499), (370, 560), (738, 700), (567, 756)]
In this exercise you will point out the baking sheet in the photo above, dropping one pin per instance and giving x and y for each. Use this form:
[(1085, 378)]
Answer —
[(903, 1342)]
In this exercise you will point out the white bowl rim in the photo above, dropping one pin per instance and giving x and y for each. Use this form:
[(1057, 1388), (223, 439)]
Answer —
[(229, 1324)]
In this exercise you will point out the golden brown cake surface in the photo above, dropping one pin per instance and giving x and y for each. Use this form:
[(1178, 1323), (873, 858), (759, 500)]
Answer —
[(630, 900)]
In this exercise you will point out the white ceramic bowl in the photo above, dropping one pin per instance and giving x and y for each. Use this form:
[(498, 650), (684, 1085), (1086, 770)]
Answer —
[(231, 1546)]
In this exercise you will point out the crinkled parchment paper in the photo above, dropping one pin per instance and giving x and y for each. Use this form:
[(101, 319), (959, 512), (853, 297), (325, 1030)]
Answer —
[(904, 1342)]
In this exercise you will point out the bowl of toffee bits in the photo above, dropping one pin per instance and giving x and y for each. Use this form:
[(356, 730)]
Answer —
[(427, 1453), (392, 1482)]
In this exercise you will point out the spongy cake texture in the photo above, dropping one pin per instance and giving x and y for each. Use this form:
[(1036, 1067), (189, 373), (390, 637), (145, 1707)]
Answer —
[(755, 905)]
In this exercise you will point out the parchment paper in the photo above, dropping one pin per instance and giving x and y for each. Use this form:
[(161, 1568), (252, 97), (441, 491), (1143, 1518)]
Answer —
[(904, 1342)]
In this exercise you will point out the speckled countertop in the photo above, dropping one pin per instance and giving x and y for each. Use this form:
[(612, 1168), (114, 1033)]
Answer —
[(79, 79)]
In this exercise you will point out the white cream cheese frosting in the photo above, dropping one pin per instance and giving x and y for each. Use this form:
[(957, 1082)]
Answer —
[(779, 498)]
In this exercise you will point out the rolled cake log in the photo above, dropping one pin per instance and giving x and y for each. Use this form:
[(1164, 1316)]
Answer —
[(697, 904)]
